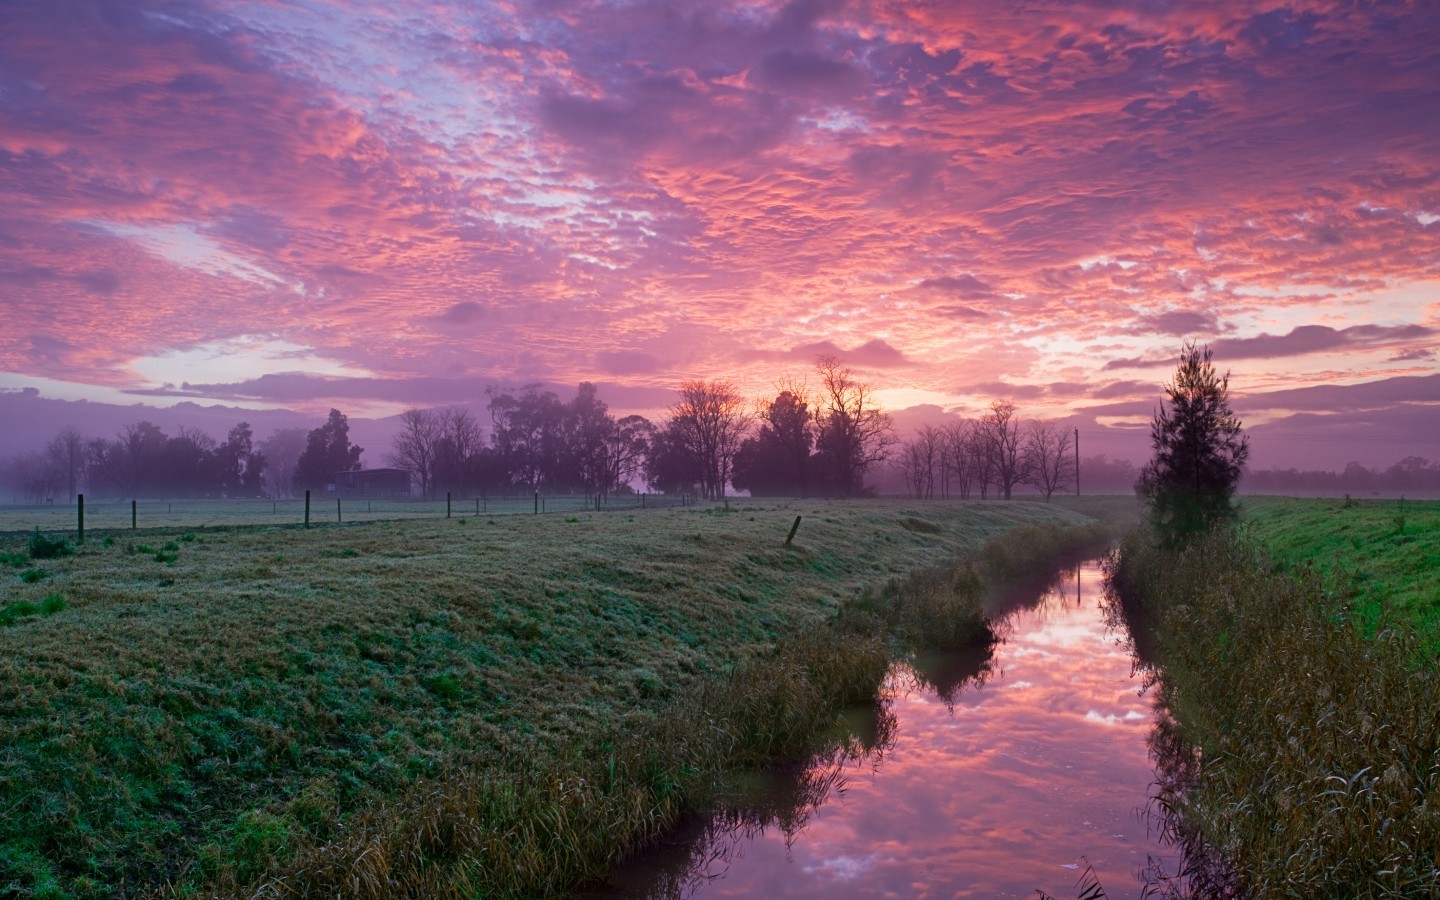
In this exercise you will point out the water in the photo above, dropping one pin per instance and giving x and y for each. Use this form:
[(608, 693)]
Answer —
[(994, 787)]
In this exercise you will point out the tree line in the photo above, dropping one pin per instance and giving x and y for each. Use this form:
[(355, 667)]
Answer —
[(998, 451)]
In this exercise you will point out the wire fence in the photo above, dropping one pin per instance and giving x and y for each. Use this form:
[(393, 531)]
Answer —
[(114, 514)]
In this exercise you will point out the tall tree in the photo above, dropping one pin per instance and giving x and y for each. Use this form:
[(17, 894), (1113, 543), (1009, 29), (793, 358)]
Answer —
[(281, 451), (1000, 437), (1199, 450), (528, 433), (1047, 457), (960, 459), (457, 452), (416, 446), (710, 420), (624, 447), (66, 451), (855, 433), (327, 451)]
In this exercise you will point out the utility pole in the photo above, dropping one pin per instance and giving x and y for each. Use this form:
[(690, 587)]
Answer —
[(1077, 461)]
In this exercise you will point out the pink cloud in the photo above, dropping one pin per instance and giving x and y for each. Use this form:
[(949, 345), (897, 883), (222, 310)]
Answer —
[(963, 194)]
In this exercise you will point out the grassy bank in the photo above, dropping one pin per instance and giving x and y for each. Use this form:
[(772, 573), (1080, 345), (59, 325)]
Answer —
[(1384, 554), (207, 707), (1300, 757)]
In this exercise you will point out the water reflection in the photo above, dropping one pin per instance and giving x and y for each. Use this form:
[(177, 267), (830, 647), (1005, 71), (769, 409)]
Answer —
[(997, 776)]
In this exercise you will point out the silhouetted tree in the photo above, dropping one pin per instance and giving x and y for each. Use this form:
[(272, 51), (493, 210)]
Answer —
[(999, 439), (623, 452), (240, 468), (66, 452), (527, 431), (281, 451), (416, 446), (709, 419), (1199, 450), (457, 453), (670, 464), (327, 451), (1047, 457), (855, 433), (961, 459), (776, 461)]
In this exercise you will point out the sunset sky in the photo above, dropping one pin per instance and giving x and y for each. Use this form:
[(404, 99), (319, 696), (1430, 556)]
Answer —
[(382, 205)]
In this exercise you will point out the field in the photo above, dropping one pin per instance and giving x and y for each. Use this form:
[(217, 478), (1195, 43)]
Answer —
[(181, 705), (1386, 551), (108, 513)]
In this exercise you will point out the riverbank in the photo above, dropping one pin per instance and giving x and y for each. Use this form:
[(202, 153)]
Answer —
[(215, 706), (1299, 755)]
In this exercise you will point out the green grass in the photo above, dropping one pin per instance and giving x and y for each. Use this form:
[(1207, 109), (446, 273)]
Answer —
[(219, 713), (1384, 553)]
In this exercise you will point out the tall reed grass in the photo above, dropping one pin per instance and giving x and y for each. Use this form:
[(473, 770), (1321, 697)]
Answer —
[(1300, 757)]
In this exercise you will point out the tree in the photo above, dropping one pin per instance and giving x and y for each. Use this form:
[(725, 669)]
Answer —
[(709, 420), (327, 451), (1200, 451), (960, 458), (240, 468), (775, 462), (281, 452), (457, 453), (66, 452), (624, 447), (855, 433), (1047, 457), (416, 446), (527, 432), (999, 436)]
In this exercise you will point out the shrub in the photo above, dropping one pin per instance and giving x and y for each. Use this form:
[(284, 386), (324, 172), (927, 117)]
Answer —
[(44, 547)]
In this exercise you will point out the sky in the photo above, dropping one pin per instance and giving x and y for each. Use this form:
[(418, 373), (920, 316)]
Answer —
[(298, 205)]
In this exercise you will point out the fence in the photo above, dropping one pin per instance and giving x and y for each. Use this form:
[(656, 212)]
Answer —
[(112, 514)]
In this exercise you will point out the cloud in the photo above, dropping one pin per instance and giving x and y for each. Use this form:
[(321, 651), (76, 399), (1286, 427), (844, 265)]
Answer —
[(519, 196), (1299, 341), (874, 353)]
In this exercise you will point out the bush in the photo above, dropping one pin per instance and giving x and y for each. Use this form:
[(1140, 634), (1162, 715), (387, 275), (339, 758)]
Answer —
[(45, 547)]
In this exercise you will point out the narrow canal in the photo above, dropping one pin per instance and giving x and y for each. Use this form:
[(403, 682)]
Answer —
[(983, 778)]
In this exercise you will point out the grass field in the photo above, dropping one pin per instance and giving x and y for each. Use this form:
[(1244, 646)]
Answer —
[(1386, 551), (188, 704)]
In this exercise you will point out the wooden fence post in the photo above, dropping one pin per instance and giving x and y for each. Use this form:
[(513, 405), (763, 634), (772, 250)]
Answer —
[(447, 504), (337, 509), (80, 509), (307, 508), (793, 528), (133, 504)]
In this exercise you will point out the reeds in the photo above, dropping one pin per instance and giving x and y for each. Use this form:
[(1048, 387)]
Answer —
[(1303, 756)]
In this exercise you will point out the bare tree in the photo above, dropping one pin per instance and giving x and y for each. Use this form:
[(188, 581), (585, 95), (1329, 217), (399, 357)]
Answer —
[(910, 461), (959, 456), (460, 439), (855, 433), (1000, 432), (710, 419), (67, 452), (1049, 461), (416, 446), (34, 476)]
